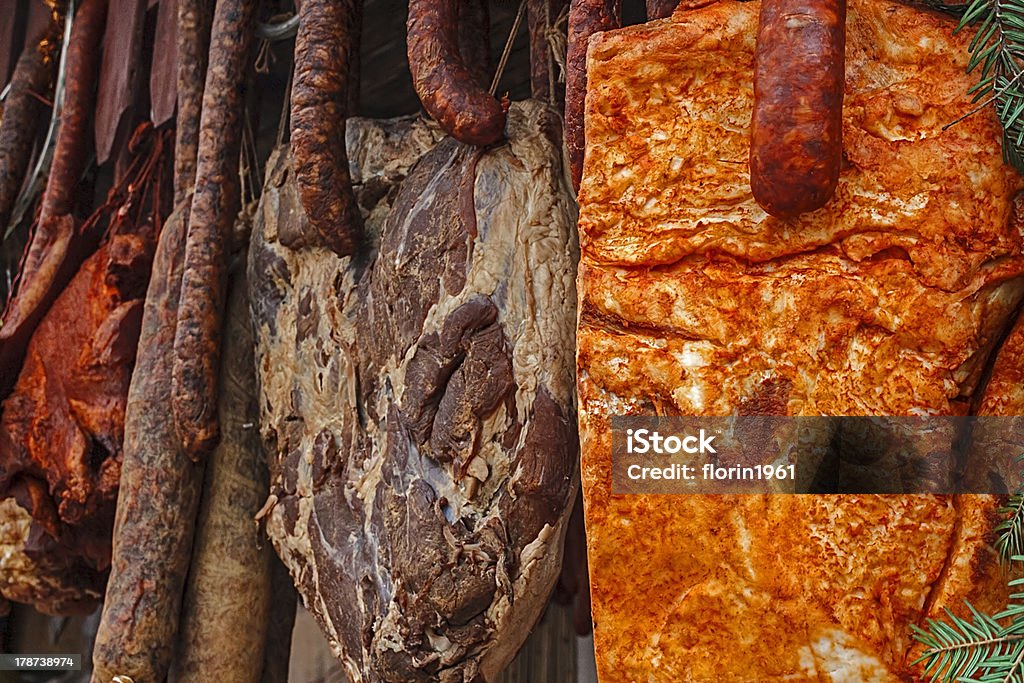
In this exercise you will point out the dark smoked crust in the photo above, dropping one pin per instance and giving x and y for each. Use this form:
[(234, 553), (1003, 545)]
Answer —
[(318, 103), (475, 40), (586, 17), (69, 153), (445, 86), (158, 498), (22, 114), (659, 9), (214, 209), (796, 141), (423, 576), (193, 38), (57, 249)]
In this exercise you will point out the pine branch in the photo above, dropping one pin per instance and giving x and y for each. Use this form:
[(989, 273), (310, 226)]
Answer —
[(997, 52), (962, 649), (982, 648), (1010, 532)]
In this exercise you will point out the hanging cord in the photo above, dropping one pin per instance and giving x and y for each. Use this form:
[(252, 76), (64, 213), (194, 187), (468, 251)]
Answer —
[(558, 44), (508, 48), (276, 31)]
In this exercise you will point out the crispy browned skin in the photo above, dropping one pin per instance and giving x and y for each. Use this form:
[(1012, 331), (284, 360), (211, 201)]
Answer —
[(215, 205), (796, 136), (193, 39), (22, 113), (159, 495), (57, 249), (586, 17), (659, 9), (447, 89), (319, 100)]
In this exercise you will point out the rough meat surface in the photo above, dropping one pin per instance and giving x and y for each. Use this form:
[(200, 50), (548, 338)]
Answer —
[(63, 425), (887, 301), (417, 400)]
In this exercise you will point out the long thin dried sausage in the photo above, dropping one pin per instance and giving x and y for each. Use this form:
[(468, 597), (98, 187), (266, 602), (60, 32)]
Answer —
[(796, 143), (158, 497), (71, 149), (193, 39), (215, 205), (227, 596), (319, 100), (160, 484), (586, 17), (445, 86), (29, 86)]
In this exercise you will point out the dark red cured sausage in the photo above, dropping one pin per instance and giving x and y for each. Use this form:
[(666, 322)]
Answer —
[(22, 114), (796, 143), (586, 17), (318, 104), (215, 205), (447, 89), (193, 41)]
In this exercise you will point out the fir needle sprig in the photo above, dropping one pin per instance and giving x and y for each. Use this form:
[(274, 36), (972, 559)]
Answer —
[(982, 648), (997, 52)]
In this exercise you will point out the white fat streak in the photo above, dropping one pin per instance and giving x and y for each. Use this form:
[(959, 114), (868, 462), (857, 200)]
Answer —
[(838, 658)]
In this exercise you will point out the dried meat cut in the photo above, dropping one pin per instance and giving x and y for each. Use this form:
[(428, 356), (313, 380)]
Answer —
[(889, 300), (417, 399), (61, 432)]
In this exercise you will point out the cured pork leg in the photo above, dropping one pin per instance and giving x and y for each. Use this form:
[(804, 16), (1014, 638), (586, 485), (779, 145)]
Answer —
[(416, 399)]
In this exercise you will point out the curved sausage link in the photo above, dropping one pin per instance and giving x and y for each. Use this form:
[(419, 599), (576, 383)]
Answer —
[(318, 103), (796, 143), (586, 17), (447, 89), (215, 205)]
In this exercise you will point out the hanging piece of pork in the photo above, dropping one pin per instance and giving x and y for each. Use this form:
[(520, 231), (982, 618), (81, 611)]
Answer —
[(416, 399)]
